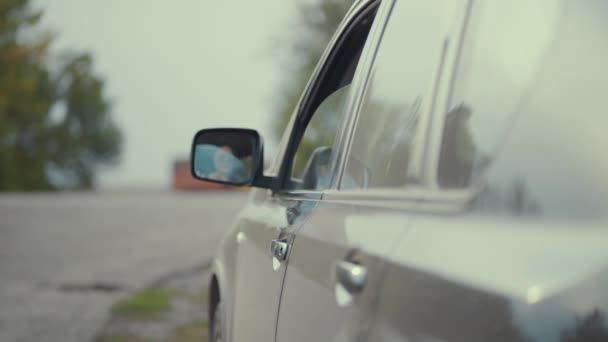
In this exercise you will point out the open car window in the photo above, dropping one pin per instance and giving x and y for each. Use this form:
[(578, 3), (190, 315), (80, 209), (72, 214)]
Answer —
[(313, 156), (311, 164)]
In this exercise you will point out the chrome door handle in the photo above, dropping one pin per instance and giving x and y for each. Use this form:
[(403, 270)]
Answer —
[(279, 249), (351, 276)]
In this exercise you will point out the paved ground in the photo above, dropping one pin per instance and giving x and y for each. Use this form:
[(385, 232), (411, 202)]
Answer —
[(172, 309), (62, 255)]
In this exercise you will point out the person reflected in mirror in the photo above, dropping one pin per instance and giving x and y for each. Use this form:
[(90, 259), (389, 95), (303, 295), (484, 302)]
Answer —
[(219, 163), (223, 159)]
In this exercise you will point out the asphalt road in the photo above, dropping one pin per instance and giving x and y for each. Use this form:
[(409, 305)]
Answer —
[(62, 255)]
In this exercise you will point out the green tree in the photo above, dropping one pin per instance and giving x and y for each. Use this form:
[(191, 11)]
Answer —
[(55, 124), (315, 25)]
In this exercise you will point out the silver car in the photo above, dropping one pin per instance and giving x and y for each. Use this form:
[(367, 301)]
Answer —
[(443, 178)]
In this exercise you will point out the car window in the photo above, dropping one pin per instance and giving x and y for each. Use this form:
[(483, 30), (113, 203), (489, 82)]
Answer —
[(398, 93), (313, 156), (496, 69), (532, 135), (311, 165)]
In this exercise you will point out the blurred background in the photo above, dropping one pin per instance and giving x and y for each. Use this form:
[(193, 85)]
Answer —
[(99, 101)]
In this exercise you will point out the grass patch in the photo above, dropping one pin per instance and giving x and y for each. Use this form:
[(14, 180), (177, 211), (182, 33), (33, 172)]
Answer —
[(119, 338), (191, 332), (146, 304), (200, 298)]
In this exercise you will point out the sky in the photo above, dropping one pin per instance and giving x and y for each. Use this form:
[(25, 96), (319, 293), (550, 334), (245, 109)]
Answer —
[(173, 67)]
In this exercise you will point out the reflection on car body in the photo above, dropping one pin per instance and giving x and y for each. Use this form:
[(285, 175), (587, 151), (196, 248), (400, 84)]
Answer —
[(442, 179)]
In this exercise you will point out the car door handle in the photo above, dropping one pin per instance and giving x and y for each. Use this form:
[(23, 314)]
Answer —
[(351, 276), (279, 249)]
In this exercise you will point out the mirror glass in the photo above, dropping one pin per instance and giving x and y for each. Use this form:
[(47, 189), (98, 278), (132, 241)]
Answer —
[(225, 155)]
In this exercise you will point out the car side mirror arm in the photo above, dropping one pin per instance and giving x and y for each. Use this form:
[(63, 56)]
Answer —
[(266, 182), (261, 181)]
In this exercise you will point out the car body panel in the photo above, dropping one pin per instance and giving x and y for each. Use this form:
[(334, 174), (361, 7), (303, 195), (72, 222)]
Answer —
[(474, 279), (312, 298), (520, 254), (257, 282)]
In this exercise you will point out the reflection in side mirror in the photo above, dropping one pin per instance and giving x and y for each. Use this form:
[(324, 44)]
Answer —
[(226, 155)]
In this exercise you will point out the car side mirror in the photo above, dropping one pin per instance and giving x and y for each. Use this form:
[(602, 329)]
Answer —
[(232, 156)]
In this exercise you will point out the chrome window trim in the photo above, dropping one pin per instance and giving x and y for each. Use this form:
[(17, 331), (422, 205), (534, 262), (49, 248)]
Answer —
[(361, 81), (300, 195), (417, 198), (443, 102)]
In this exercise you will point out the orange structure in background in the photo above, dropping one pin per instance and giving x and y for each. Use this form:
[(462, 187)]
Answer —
[(183, 180)]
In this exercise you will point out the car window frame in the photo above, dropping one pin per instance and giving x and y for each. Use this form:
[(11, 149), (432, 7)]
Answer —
[(360, 85), (297, 128)]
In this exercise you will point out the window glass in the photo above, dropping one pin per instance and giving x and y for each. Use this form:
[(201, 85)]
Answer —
[(497, 66), (398, 93), (534, 102), (314, 154), (315, 131)]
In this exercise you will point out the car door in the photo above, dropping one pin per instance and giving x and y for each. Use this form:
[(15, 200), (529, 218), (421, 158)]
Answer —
[(337, 262), (267, 224), (313, 169), (510, 241)]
